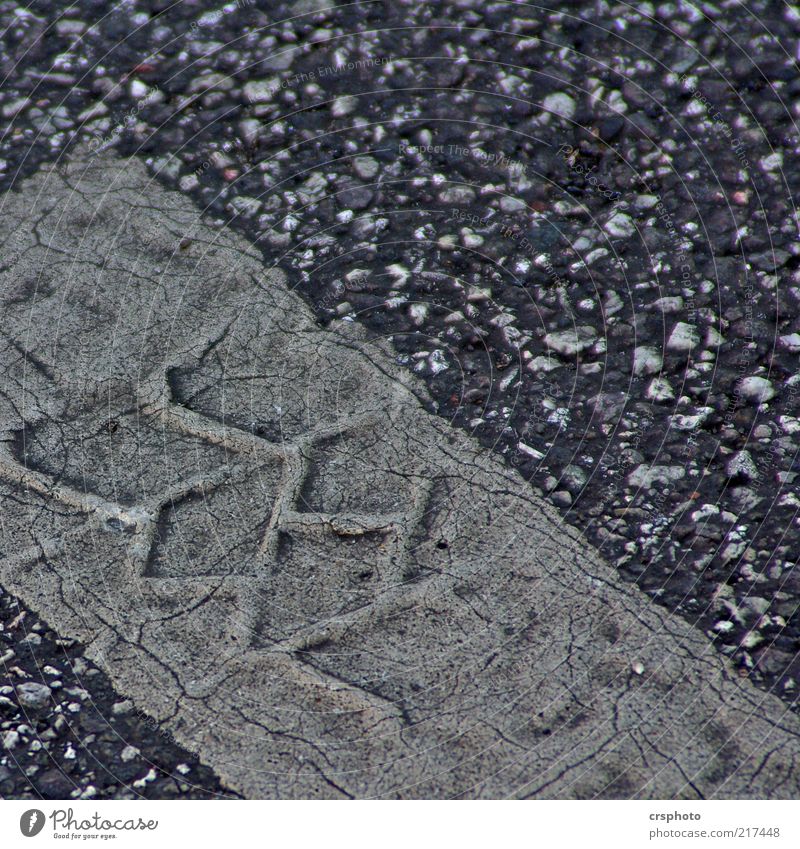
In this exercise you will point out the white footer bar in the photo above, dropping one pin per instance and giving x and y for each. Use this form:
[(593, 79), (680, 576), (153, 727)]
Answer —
[(384, 825)]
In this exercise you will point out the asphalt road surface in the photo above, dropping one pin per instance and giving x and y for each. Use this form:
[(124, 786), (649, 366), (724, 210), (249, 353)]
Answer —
[(574, 224)]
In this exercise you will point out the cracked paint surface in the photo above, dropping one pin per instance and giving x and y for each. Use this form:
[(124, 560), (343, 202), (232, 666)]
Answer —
[(258, 531)]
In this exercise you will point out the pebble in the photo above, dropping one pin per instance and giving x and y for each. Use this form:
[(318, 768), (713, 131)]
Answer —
[(660, 390), (531, 452), (773, 162), (145, 780), (93, 111), (355, 196), (609, 405), (249, 129), (470, 239), (734, 550), (645, 202), (742, 465), (774, 661), (280, 61), (684, 338), (791, 342), (561, 498), (510, 205), (259, 91), (457, 194), (789, 424), (417, 313), (129, 753), (574, 479), (246, 206), (646, 421), (755, 389), (344, 105), (10, 739), (570, 342), (671, 304), (188, 183), (691, 422), (620, 226), (366, 167), (138, 89), (646, 475), (33, 696), (12, 109), (757, 604), (560, 103), (302, 7), (612, 303), (647, 360), (705, 512), (70, 26), (209, 82)]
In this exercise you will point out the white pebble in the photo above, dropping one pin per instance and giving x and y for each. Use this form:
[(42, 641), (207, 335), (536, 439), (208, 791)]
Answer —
[(343, 106), (620, 226), (646, 360), (684, 338), (660, 390), (560, 103), (756, 389)]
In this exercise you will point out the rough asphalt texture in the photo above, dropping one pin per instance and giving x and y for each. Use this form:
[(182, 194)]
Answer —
[(261, 536), (66, 734), (575, 224), (481, 182)]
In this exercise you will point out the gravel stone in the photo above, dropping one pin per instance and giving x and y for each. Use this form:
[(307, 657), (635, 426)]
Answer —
[(34, 696), (756, 390), (560, 103), (366, 167), (660, 390), (791, 341), (646, 360), (259, 91), (344, 105), (648, 476), (620, 226), (571, 342), (574, 479), (683, 339), (10, 739), (742, 465), (458, 194)]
